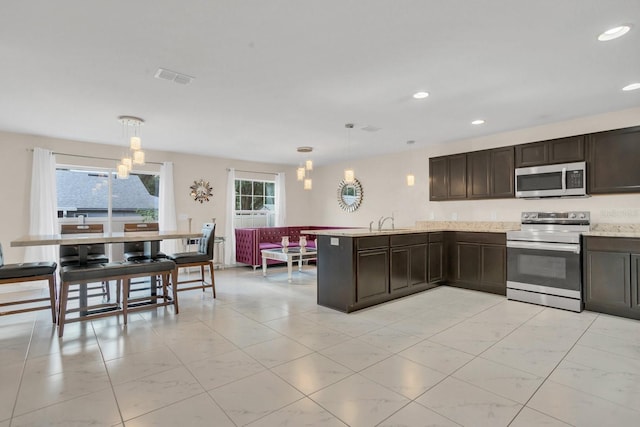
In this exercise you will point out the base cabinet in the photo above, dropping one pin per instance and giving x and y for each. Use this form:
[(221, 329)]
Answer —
[(477, 261), (358, 272), (611, 267)]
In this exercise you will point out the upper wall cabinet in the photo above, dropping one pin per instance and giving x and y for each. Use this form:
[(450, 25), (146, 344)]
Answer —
[(561, 150), (490, 173), (613, 161), (448, 177)]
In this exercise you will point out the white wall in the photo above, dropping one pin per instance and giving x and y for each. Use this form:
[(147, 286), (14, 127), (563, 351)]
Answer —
[(385, 190), (15, 182), (382, 178)]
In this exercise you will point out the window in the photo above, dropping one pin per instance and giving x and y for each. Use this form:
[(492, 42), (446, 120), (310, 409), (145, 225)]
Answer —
[(99, 194), (255, 203)]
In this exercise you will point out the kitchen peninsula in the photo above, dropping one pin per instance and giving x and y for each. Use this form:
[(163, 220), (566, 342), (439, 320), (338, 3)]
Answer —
[(358, 268)]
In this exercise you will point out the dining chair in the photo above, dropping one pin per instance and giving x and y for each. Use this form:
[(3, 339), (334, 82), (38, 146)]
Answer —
[(134, 251), (29, 272), (96, 253), (202, 258)]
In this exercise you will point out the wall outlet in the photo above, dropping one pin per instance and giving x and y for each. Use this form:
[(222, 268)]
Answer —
[(454, 216), (432, 216)]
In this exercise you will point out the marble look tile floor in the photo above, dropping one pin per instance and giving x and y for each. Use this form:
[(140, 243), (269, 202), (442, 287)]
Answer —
[(264, 354)]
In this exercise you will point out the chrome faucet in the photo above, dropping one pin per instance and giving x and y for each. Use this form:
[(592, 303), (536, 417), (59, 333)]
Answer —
[(371, 226), (382, 220)]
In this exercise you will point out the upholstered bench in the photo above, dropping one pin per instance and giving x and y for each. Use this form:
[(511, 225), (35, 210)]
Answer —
[(122, 272)]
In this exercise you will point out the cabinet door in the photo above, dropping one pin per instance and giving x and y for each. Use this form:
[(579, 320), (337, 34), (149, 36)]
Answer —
[(608, 281), (493, 274), (635, 282), (436, 262), (501, 172), (533, 154), (372, 274), (399, 268), (613, 161), (438, 171), (478, 167), (468, 262), (457, 177), (566, 150), (417, 265)]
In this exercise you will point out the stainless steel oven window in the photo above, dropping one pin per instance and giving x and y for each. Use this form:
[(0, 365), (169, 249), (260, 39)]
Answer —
[(556, 269), (542, 266)]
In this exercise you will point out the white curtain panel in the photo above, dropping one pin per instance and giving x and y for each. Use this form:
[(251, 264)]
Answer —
[(43, 207), (167, 207), (281, 200), (229, 228)]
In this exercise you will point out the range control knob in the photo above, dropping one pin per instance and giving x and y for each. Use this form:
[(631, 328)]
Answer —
[(525, 215), (572, 215), (582, 216), (533, 215)]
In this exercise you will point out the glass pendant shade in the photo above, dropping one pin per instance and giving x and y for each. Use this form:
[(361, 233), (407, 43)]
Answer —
[(138, 157), (307, 184), (135, 143), (127, 161), (300, 173), (308, 165), (349, 176), (123, 171), (411, 180)]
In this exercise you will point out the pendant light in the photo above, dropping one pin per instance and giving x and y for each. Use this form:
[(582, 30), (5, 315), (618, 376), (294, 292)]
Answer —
[(303, 173), (135, 156), (349, 174), (411, 179)]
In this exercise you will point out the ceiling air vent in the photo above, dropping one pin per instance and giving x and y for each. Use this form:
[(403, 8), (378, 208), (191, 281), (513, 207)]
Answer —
[(173, 76)]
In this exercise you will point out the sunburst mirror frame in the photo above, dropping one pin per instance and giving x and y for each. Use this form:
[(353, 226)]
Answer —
[(349, 195), (201, 191)]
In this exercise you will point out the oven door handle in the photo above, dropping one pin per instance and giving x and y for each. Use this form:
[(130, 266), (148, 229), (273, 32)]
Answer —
[(544, 246)]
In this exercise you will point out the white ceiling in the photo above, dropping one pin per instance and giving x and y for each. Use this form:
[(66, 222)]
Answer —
[(272, 75)]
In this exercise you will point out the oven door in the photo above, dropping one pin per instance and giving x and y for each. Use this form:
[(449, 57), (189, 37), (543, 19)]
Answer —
[(551, 268)]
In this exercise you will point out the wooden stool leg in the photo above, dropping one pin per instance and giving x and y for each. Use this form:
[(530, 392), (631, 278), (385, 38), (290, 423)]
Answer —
[(125, 298), (52, 296), (202, 276), (64, 291), (174, 289), (213, 279)]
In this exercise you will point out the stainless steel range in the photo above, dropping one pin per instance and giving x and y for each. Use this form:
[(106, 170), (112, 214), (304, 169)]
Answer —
[(544, 265)]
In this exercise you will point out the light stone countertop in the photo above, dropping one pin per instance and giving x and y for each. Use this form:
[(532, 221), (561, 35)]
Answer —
[(614, 230), (422, 227)]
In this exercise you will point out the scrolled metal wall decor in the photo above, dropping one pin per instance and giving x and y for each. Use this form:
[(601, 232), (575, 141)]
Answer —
[(201, 191), (349, 195)]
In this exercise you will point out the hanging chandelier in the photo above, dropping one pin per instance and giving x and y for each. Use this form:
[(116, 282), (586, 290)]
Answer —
[(131, 134), (303, 173)]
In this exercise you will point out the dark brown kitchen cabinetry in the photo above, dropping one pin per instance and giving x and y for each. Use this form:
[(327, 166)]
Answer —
[(561, 150), (611, 281), (490, 173), (372, 268), (613, 161), (358, 272), (448, 177), (477, 261), (408, 260), (436, 258)]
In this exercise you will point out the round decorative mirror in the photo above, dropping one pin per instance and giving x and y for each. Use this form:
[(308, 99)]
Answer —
[(201, 191), (349, 195)]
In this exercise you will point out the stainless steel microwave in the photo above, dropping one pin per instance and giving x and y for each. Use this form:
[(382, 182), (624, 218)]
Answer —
[(561, 180)]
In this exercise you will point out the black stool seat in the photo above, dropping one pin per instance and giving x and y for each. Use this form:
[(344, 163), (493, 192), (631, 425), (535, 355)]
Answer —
[(12, 271), (189, 257), (140, 256), (91, 259), (100, 272)]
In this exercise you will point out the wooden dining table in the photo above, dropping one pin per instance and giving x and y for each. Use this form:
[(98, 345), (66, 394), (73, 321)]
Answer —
[(151, 241)]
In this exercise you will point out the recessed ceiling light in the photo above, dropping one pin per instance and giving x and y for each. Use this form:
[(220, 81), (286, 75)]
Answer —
[(614, 33), (477, 122), (632, 86), (420, 95)]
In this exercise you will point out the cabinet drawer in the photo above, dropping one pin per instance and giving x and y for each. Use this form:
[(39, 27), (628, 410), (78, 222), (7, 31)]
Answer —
[(372, 242), (408, 239), (615, 244), (488, 238)]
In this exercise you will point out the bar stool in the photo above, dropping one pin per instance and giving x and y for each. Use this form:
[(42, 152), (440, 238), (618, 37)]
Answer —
[(202, 258), (29, 272)]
